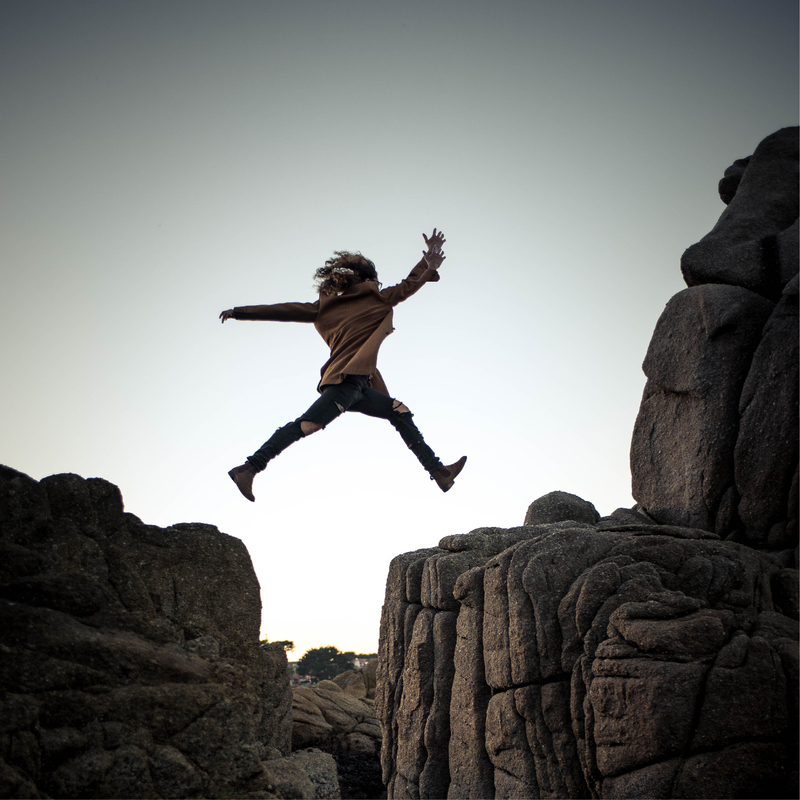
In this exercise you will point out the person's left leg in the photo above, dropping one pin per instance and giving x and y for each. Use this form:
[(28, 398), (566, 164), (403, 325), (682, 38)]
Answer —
[(334, 400), (376, 404)]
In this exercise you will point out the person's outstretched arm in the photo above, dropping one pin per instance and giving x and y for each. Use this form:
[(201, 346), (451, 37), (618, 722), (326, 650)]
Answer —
[(426, 270), (277, 312)]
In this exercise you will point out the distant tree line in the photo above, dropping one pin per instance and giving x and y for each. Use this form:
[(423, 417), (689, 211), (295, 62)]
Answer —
[(325, 663)]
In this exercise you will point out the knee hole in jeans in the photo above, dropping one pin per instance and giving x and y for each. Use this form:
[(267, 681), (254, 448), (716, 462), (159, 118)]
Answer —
[(308, 427), (400, 408)]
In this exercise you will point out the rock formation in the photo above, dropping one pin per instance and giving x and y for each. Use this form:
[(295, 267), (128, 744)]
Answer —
[(130, 663), (754, 243), (651, 653), (338, 717), (338, 714), (715, 444)]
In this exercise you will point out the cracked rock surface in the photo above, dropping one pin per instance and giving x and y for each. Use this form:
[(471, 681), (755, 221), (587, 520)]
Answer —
[(339, 714), (589, 661), (338, 717), (715, 444), (130, 663), (651, 653)]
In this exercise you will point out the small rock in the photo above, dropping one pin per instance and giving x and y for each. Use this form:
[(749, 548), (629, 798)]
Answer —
[(559, 507)]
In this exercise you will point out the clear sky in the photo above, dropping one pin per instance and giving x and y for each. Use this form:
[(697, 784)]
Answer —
[(163, 161)]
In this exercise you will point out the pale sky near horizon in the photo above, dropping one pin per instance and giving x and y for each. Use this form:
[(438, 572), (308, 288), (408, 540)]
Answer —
[(163, 161)]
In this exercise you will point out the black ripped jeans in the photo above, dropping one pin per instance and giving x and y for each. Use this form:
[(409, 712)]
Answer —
[(352, 394)]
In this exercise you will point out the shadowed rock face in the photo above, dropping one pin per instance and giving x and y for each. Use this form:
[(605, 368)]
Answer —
[(130, 662), (715, 443), (754, 243), (589, 660), (338, 717), (652, 653)]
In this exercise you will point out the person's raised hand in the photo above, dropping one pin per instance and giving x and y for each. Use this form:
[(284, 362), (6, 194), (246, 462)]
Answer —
[(433, 255), (437, 239), (226, 314)]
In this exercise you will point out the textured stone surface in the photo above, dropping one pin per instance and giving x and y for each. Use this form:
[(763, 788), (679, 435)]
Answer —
[(652, 652), (766, 454), (682, 450), (360, 682), (304, 774), (338, 717), (586, 661), (715, 441), (328, 715), (558, 507), (130, 664), (754, 243)]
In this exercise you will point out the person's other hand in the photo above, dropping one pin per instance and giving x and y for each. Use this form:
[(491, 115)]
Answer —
[(226, 314), (433, 258)]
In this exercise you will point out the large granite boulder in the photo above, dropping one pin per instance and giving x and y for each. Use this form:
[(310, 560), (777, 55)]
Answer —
[(130, 663), (308, 773), (589, 660), (715, 444), (328, 715), (754, 243), (654, 652), (766, 454), (682, 451), (359, 682)]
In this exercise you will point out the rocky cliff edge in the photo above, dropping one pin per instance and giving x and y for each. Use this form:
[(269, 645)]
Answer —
[(130, 663), (654, 652)]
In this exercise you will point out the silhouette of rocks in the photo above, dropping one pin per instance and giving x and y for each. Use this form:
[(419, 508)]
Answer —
[(715, 441), (729, 183), (131, 665), (754, 243), (653, 652)]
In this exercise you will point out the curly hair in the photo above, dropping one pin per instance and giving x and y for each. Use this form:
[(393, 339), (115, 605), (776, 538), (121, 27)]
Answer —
[(344, 270)]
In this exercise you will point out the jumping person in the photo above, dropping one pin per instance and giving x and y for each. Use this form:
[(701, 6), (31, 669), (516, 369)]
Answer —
[(353, 315)]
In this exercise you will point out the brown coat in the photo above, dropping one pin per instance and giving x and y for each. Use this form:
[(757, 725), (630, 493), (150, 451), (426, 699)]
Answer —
[(353, 324)]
